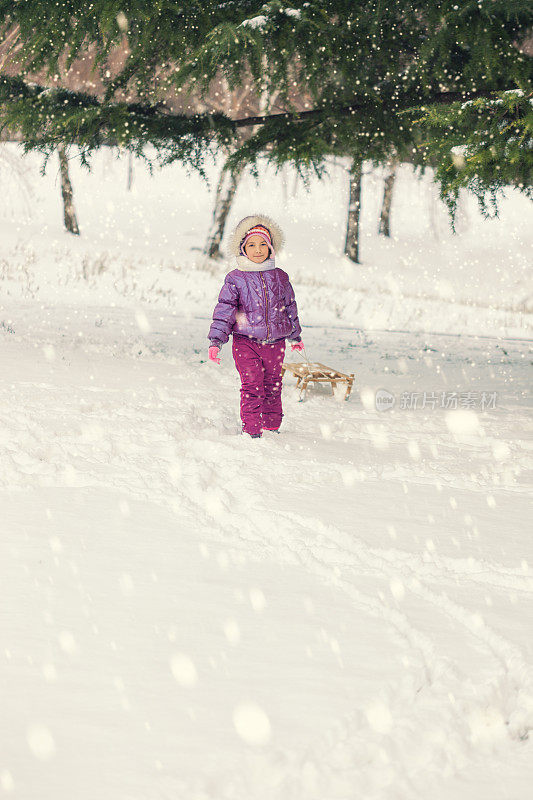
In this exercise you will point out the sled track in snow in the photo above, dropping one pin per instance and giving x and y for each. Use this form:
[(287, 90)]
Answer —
[(325, 552)]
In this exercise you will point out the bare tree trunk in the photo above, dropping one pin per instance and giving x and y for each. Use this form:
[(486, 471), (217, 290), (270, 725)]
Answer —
[(130, 171), (384, 219), (228, 182), (284, 183), (69, 213), (351, 247), (226, 189)]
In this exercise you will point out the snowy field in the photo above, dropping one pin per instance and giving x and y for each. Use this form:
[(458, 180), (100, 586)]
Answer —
[(340, 612)]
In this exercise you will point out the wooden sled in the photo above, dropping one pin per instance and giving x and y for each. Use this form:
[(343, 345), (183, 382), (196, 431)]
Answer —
[(312, 371)]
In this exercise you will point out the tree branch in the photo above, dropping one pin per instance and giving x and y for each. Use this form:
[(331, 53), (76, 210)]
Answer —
[(295, 116), (92, 101)]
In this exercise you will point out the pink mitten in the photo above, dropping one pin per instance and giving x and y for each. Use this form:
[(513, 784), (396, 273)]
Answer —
[(297, 346), (213, 352)]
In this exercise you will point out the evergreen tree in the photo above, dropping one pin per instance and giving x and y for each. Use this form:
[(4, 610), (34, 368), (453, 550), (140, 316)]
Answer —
[(483, 145), (382, 77)]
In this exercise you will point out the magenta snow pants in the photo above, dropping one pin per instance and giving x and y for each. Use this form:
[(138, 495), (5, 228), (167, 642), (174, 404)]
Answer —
[(259, 366)]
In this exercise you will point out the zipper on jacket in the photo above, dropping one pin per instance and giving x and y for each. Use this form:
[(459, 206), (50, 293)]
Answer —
[(266, 305)]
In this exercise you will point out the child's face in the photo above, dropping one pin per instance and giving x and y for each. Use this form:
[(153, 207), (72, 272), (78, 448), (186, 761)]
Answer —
[(256, 249)]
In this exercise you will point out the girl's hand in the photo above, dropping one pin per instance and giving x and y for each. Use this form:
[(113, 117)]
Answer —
[(297, 346), (213, 352)]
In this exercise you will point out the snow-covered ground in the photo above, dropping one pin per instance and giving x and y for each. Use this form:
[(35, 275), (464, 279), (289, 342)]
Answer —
[(340, 611)]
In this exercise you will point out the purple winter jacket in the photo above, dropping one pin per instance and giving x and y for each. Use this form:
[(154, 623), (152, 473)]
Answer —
[(259, 304)]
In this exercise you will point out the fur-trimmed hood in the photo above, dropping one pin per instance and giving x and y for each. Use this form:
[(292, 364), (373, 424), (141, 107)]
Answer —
[(242, 228)]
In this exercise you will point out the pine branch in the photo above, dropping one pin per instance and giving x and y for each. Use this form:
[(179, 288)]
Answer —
[(440, 98), (15, 89)]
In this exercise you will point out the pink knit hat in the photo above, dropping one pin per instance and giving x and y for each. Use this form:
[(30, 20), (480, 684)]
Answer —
[(257, 230)]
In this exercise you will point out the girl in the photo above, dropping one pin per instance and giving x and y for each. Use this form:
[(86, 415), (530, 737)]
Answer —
[(257, 305)]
